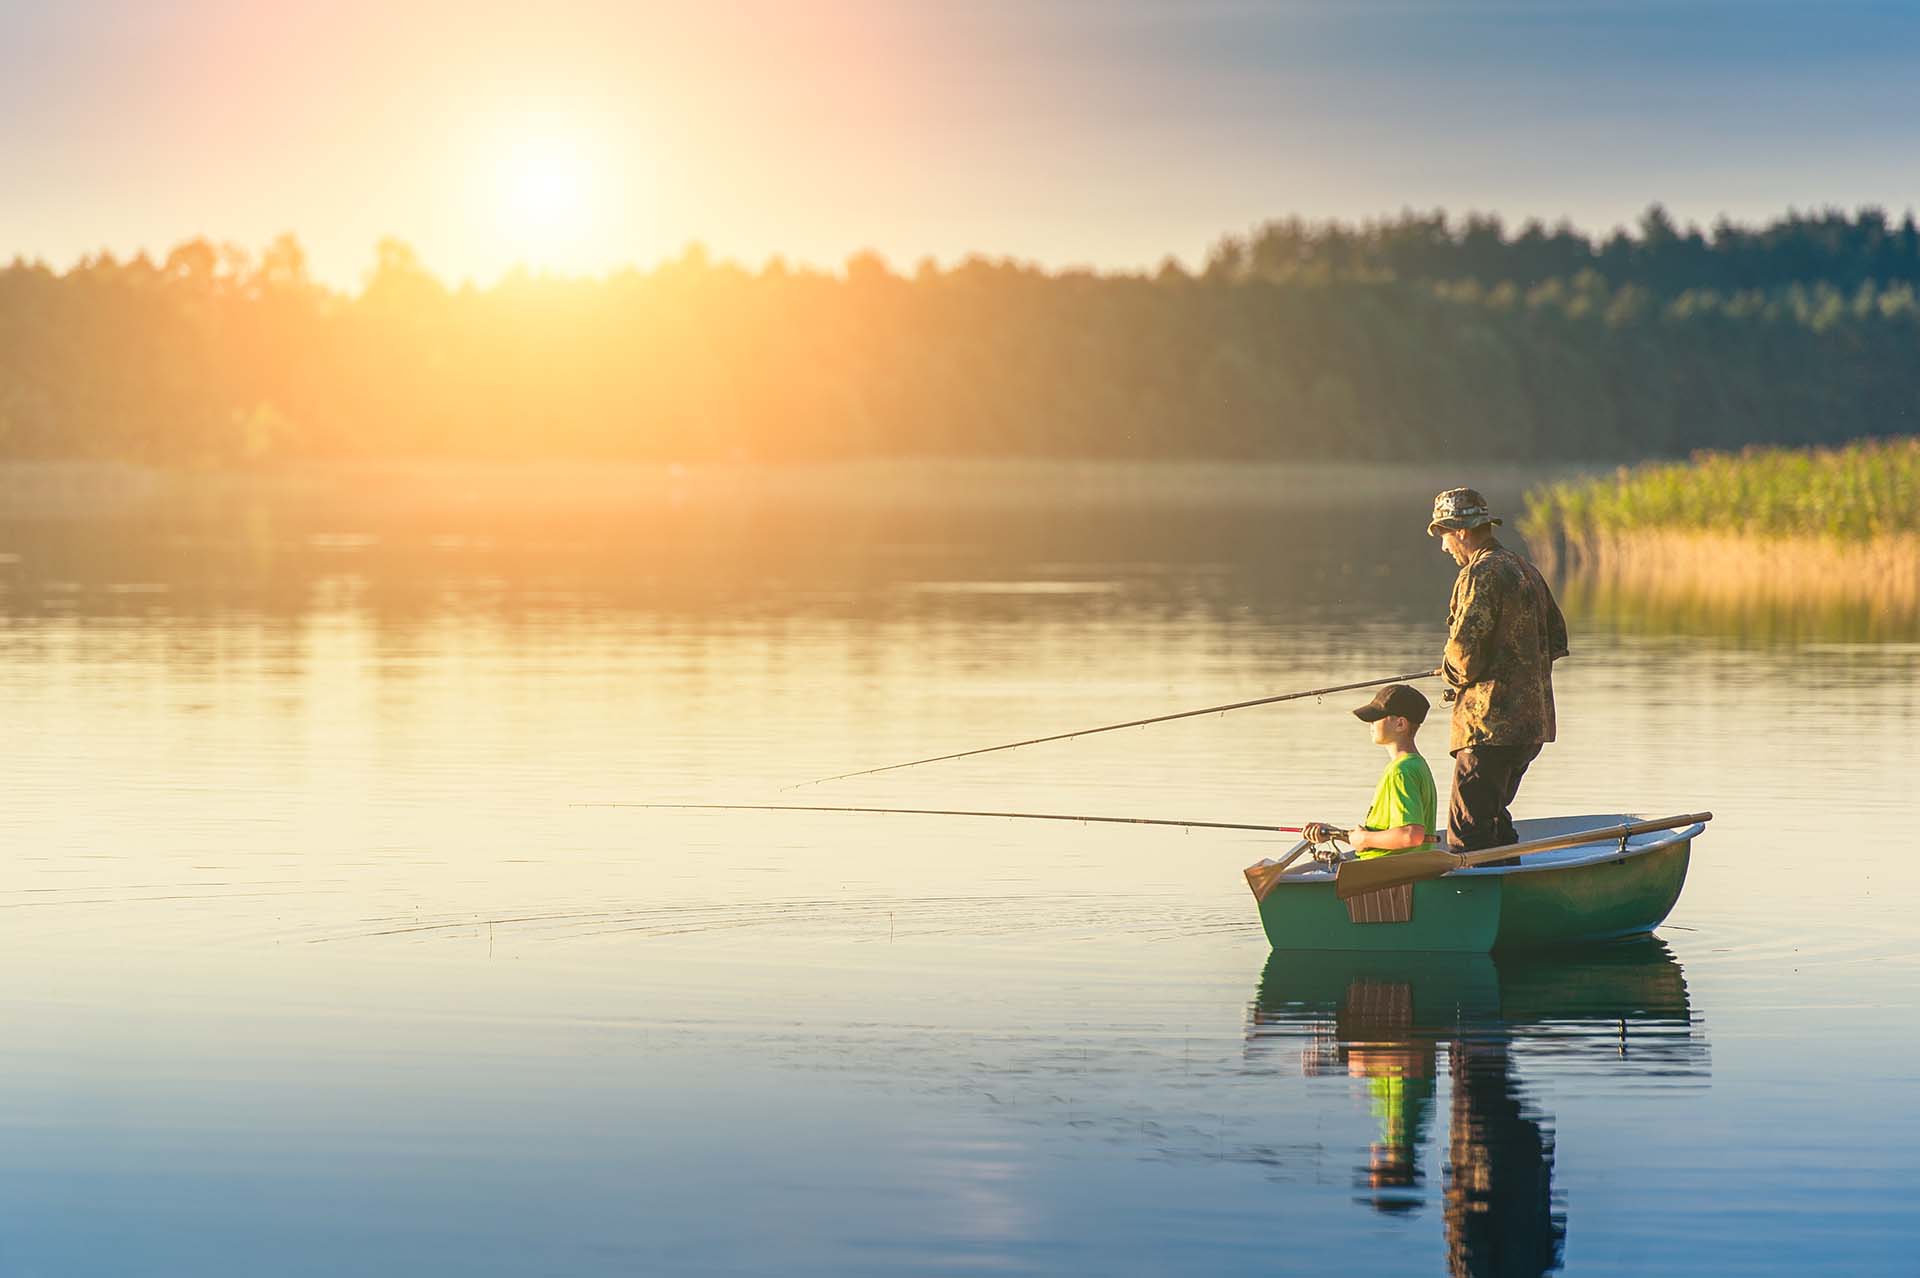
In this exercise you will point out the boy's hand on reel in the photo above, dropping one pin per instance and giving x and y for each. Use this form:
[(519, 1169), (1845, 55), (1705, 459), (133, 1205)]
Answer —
[(1321, 832)]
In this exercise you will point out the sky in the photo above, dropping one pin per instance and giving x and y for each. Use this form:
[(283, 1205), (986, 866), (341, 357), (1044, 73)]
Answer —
[(583, 135)]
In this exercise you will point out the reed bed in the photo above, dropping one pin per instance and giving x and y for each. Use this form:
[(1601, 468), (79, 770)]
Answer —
[(1855, 493), (1818, 527)]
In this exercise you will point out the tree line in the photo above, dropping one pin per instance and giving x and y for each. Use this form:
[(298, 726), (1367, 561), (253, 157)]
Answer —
[(1416, 338), (1830, 246)]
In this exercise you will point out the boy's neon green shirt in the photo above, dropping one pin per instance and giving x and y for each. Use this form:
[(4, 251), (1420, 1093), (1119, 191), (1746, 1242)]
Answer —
[(1405, 796)]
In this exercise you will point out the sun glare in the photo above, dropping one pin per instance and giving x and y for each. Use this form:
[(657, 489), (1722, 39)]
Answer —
[(545, 199)]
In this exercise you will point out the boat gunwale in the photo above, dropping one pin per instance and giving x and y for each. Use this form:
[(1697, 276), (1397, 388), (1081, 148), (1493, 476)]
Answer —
[(1601, 850)]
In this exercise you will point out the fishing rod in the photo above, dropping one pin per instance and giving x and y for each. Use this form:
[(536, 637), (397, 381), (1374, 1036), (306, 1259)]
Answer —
[(1020, 816), (1131, 723)]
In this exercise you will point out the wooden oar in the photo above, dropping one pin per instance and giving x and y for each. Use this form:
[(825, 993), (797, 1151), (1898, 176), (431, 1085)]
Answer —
[(1357, 878), (1018, 816), (1131, 723)]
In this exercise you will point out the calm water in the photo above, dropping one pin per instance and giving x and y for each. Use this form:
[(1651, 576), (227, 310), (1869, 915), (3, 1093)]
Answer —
[(319, 965)]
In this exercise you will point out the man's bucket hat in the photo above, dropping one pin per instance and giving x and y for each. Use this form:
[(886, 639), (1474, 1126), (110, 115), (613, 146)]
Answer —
[(1459, 509)]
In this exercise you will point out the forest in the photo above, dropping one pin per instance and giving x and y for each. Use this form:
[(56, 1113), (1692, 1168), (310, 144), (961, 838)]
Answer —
[(1417, 337)]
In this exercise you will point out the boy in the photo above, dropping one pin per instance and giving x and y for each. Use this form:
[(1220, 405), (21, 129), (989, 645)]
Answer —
[(1403, 815)]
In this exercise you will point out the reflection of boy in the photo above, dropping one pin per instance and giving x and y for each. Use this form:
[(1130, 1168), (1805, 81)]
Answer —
[(1402, 817), (1402, 1093)]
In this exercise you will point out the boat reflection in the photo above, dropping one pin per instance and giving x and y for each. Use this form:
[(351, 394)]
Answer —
[(1391, 1019)]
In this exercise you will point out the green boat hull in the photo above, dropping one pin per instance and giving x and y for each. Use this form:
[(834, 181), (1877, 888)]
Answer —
[(1596, 898)]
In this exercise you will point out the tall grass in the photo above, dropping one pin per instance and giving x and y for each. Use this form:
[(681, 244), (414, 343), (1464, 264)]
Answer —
[(1857, 493)]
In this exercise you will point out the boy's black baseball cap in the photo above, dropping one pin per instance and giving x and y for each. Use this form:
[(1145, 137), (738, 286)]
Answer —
[(1395, 698)]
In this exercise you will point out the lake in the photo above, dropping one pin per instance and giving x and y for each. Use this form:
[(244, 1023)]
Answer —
[(329, 953)]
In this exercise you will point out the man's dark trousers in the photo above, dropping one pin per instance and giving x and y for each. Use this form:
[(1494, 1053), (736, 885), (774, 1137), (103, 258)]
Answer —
[(1485, 779)]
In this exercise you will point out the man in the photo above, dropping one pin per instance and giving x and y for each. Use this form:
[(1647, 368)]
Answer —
[(1504, 632), (1404, 811)]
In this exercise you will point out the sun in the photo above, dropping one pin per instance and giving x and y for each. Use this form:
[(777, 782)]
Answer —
[(545, 197)]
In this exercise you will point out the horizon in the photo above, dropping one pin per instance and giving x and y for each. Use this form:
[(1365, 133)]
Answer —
[(155, 255), (601, 136)]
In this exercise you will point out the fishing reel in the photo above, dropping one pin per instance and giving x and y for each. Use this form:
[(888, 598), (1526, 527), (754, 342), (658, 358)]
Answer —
[(1332, 849)]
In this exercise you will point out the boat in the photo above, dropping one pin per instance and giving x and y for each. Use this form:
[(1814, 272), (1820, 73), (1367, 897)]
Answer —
[(1614, 885)]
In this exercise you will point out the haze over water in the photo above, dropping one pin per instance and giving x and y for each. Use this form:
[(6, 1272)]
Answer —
[(321, 966)]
